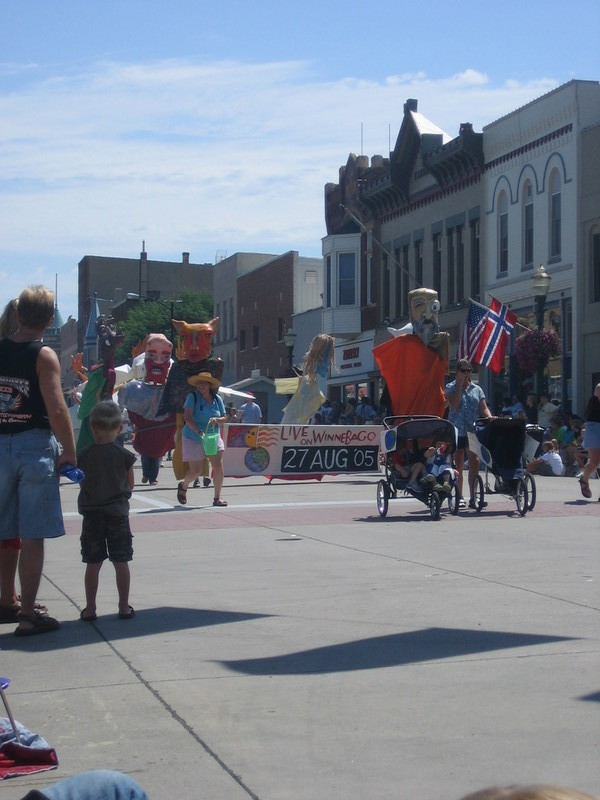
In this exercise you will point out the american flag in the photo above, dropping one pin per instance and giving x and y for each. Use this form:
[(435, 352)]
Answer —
[(486, 333)]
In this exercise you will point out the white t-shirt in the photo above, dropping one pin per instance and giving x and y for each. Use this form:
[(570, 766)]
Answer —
[(555, 461)]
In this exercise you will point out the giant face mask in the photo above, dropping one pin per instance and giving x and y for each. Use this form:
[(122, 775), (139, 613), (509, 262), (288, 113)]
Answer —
[(424, 310), (109, 338), (195, 339), (157, 358)]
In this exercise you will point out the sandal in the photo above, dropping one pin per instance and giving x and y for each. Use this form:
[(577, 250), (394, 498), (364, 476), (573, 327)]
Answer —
[(87, 617), (218, 502), (9, 613), (39, 623), (585, 488), (37, 607), (181, 493), (127, 614)]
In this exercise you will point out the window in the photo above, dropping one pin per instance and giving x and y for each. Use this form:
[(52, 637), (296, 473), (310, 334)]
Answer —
[(419, 262), (460, 264), (502, 233), (328, 282), (346, 279), (385, 286), (555, 216), (437, 264), (397, 284), (405, 276), (451, 265), (528, 225), (231, 319), (255, 336), (242, 341), (475, 259), (219, 335), (596, 268), (280, 329), (369, 280)]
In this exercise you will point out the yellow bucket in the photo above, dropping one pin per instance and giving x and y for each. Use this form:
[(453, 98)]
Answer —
[(210, 441)]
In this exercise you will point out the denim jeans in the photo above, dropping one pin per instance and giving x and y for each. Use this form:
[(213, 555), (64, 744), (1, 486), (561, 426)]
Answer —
[(101, 784)]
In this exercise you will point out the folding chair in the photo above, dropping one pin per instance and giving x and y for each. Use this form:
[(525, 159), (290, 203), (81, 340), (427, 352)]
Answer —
[(4, 684)]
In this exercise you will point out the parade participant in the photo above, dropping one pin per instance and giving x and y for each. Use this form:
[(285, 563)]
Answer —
[(154, 433), (202, 408), (104, 504), (467, 403), (414, 364), (591, 441), (101, 379), (307, 398), (34, 426), (192, 356)]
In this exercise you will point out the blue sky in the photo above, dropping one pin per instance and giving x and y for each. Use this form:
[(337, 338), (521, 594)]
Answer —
[(212, 127)]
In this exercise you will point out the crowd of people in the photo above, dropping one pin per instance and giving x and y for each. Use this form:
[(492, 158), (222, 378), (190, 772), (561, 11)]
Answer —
[(562, 451)]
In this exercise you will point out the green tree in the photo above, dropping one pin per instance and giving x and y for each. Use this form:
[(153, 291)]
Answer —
[(154, 316)]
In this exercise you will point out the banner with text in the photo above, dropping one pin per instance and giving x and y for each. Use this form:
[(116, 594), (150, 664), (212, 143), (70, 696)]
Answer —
[(300, 449)]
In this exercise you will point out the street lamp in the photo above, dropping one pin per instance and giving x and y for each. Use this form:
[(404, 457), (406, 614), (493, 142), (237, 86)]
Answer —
[(540, 283), (290, 338)]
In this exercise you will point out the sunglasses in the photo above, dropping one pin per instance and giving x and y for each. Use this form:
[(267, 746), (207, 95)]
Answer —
[(465, 370)]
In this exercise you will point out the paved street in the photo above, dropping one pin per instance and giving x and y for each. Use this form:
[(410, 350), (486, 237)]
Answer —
[(297, 646)]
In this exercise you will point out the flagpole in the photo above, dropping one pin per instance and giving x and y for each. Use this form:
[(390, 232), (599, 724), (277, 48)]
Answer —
[(481, 305), (381, 247)]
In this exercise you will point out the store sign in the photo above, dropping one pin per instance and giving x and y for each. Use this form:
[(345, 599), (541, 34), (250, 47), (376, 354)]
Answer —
[(354, 358), (300, 449)]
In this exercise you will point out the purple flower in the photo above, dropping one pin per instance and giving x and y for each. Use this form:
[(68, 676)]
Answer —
[(535, 348)]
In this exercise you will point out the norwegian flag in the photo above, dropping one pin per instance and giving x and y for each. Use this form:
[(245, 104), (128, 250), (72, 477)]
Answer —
[(486, 333)]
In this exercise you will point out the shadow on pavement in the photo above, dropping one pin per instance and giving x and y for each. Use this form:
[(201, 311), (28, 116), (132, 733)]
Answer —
[(594, 697), (389, 651), (146, 622)]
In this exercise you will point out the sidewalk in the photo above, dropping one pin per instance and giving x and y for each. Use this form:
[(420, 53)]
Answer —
[(297, 645)]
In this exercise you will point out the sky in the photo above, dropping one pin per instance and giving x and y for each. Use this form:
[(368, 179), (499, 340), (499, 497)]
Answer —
[(213, 127)]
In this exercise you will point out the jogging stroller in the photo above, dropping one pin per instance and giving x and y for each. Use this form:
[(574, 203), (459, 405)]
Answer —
[(405, 439), (503, 445)]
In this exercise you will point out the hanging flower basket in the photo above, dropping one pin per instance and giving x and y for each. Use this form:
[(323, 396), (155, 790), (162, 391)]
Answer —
[(535, 348)]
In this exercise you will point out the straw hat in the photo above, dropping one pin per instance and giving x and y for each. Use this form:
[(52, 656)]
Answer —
[(204, 376)]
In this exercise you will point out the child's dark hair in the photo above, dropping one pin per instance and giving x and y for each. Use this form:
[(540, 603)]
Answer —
[(106, 416)]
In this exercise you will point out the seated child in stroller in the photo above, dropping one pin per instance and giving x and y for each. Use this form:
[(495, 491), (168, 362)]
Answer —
[(439, 472), (409, 467)]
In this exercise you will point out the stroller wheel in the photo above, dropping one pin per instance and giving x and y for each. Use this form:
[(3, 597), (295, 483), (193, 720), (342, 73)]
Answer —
[(478, 494), (453, 500), (383, 497), (531, 491), (434, 505), (522, 497)]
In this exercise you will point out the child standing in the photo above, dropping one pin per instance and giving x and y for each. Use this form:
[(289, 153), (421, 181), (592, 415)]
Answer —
[(104, 504)]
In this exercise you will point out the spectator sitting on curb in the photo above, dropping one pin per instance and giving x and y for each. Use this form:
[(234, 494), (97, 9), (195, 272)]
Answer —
[(549, 463)]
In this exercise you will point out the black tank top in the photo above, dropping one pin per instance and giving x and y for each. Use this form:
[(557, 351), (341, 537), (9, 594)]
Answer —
[(21, 404)]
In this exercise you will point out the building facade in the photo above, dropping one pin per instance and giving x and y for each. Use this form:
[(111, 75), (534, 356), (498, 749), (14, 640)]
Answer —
[(225, 296), (471, 217), (109, 280), (267, 298)]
